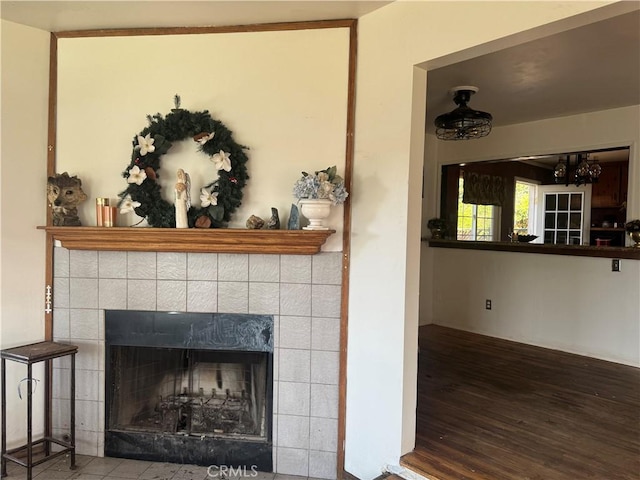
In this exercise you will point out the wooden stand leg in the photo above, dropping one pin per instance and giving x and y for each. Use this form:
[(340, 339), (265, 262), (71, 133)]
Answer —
[(29, 422), (72, 409), (3, 400)]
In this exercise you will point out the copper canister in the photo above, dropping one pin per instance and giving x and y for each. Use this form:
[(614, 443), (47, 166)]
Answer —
[(100, 204)]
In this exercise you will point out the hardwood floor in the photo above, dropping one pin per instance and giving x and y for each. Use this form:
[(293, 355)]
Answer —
[(490, 409)]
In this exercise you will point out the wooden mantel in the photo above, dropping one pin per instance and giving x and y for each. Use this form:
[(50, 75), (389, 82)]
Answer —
[(223, 240)]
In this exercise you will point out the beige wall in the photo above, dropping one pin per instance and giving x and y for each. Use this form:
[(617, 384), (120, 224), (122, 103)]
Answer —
[(23, 178), (283, 94)]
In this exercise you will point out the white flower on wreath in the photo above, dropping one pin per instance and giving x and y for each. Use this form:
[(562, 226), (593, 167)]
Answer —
[(206, 138), (208, 198), (137, 176), (128, 205), (145, 144), (222, 161)]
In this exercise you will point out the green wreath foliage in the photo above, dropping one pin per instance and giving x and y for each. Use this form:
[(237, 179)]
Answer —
[(179, 125)]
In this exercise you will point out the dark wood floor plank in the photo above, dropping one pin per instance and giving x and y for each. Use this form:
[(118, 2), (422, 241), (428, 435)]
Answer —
[(491, 409)]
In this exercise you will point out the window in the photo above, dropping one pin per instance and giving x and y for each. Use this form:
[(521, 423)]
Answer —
[(524, 211), (476, 222)]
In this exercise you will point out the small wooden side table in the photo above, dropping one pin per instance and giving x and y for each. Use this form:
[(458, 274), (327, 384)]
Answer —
[(30, 354)]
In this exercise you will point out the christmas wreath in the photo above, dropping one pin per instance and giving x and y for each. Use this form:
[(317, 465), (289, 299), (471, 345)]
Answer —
[(219, 199)]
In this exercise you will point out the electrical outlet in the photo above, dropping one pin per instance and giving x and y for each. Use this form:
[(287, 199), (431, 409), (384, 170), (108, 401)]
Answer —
[(615, 265), (487, 304)]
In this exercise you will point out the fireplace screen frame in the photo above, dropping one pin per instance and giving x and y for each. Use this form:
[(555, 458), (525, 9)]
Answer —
[(213, 332)]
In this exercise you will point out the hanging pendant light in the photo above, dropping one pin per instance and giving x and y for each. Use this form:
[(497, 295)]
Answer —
[(463, 123), (585, 171)]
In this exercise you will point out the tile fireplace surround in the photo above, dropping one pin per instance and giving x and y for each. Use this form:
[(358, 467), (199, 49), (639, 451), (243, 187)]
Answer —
[(302, 292)]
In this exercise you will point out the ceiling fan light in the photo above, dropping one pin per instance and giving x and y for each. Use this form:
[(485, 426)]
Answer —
[(463, 123)]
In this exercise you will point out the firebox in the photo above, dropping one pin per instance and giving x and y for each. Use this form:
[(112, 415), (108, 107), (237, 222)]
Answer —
[(189, 387)]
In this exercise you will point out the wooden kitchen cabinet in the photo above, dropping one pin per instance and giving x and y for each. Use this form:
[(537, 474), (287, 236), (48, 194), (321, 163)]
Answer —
[(611, 189)]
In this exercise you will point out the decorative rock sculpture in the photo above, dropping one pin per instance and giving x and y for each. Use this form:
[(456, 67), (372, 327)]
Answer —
[(64, 194), (255, 223), (274, 221), (294, 218)]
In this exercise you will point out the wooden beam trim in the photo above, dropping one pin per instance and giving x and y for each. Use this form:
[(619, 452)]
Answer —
[(260, 27), (346, 249)]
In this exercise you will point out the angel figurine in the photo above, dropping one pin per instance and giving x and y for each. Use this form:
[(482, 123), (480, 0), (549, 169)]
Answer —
[(183, 198)]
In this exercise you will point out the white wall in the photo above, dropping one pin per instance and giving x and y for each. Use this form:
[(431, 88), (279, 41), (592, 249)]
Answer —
[(575, 304), (385, 264), (283, 94), (23, 179)]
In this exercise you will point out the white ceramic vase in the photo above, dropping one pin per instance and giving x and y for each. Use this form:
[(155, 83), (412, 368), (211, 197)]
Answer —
[(316, 210)]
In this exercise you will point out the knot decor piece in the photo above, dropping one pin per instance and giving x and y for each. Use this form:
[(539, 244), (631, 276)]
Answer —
[(219, 198)]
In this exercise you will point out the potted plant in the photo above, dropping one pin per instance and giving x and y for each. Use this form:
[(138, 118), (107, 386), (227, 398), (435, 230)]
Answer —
[(438, 227), (317, 192), (633, 229)]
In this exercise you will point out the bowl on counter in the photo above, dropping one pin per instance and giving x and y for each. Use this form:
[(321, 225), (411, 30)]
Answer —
[(526, 238)]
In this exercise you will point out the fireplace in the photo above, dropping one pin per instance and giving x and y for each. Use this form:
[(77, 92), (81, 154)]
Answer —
[(189, 387)]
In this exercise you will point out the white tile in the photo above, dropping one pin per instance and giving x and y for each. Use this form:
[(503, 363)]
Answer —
[(322, 465), (84, 324), (324, 400), (264, 298), (86, 415), (292, 461), (83, 263), (323, 434), (326, 268), (276, 364), (172, 295), (293, 431), (172, 266), (112, 293), (83, 292), (101, 396), (295, 332), (87, 387), (60, 262), (60, 324), (86, 442), (100, 426), (61, 292), (294, 365), (324, 367), (61, 413), (141, 265), (233, 267), (276, 386), (233, 297), (325, 334), (326, 301), (90, 354), (61, 386), (293, 398), (295, 299), (202, 266), (264, 268), (112, 264), (202, 296), (295, 268), (275, 432), (141, 295)]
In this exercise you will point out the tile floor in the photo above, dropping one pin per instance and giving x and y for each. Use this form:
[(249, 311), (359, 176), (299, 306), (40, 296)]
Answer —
[(96, 468)]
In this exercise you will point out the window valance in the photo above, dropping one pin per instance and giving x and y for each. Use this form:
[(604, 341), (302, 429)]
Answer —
[(483, 189)]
